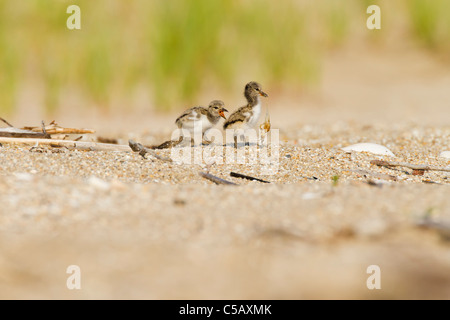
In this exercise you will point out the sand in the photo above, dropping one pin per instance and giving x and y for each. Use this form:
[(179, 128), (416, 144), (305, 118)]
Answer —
[(147, 229), (143, 228)]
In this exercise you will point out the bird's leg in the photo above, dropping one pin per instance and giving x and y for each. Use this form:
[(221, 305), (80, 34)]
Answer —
[(183, 140), (235, 142), (243, 138), (176, 143), (205, 140)]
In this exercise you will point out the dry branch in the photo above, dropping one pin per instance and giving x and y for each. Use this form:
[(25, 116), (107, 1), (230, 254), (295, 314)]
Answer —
[(243, 176), (417, 167), (137, 147), (54, 128), (79, 145), (9, 124), (215, 179), (12, 132)]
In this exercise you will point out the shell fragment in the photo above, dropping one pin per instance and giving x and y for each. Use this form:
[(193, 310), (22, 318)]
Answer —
[(371, 148)]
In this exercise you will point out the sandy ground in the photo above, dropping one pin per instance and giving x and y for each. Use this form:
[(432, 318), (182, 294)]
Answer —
[(147, 229)]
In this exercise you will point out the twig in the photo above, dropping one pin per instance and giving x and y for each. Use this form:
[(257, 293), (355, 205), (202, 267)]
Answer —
[(383, 163), (54, 128), (10, 125), (12, 132), (215, 179), (79, 145), (47, 136), (431, 182), (243, 176), (137, 147)]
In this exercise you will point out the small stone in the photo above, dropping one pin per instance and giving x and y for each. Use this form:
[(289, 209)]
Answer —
[(445, 154)]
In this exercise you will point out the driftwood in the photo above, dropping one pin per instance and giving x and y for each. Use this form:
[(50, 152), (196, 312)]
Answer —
[(54, 128), (42, 132), (71, 145), (243, 176), (215, 179), (418, 169), (137, 147), (12, 132)]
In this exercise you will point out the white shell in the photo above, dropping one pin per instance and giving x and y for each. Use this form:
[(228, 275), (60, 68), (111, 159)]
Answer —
[(371, 148), (445, 154)]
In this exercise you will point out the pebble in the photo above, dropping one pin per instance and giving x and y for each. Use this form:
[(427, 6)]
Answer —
[(445, 154)]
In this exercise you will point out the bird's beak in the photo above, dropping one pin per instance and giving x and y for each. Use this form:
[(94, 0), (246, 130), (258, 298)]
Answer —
[(222, 114), (262, 93)]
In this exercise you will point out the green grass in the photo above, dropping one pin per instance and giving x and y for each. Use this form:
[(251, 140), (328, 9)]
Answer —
[(430, 22), (178, 49)]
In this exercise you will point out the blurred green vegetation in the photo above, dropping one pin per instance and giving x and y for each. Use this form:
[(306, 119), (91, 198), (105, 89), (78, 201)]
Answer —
[(430, 21), (178, 48)]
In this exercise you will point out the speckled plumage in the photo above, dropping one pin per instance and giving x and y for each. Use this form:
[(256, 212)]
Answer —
[(247, 116), (197, 118)]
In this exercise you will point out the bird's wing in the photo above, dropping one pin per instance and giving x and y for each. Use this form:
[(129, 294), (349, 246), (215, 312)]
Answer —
[(191, 114), (240, 115)]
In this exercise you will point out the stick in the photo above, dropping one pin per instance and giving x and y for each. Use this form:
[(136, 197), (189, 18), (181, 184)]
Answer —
[(19, 133), (243, 176), (383, 163), (10, 125), (137, 147), (47, 136), (52, 130), (215, 179), (79, 145)]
